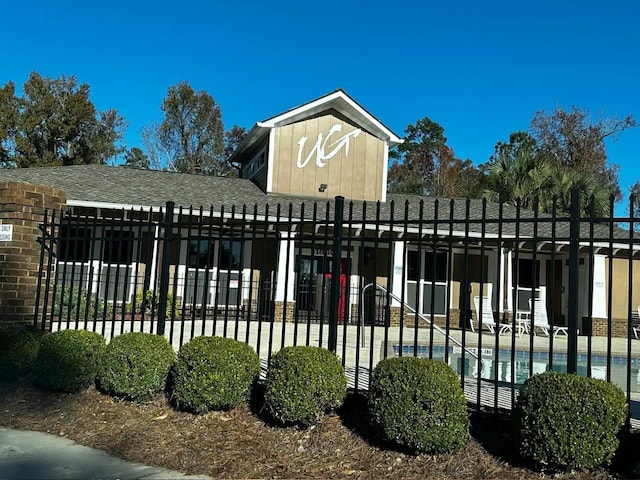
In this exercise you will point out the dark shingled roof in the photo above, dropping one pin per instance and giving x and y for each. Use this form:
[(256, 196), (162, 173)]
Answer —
[(130, 186), (151, 188)]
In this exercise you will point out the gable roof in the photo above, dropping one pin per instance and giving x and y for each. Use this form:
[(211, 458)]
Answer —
[(337, 100)]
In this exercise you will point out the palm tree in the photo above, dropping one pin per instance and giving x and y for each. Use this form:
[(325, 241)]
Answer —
[(519, 171), (595, 195)]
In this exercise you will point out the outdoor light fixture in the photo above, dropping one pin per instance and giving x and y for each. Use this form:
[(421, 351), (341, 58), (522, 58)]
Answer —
[(322, 187)]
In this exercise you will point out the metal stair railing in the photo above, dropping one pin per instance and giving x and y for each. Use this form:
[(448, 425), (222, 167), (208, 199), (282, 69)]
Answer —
[(426, 319)]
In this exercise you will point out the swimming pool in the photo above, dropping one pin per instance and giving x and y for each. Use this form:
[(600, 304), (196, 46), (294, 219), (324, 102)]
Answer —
[(500, 368)]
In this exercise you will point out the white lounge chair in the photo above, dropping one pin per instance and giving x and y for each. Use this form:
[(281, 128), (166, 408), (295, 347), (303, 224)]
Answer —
[(540, 320), (635, 323), (487, 317)]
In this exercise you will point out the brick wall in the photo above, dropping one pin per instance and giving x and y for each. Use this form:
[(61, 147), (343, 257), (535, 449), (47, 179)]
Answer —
[(22, 205), (599, 327), (279, 309), (410, 321)]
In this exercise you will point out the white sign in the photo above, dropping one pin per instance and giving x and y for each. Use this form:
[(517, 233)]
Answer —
[(6, 233), (324, 151)]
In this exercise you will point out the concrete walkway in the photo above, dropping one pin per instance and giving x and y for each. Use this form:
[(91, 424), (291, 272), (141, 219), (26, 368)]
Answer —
[(39, 456)]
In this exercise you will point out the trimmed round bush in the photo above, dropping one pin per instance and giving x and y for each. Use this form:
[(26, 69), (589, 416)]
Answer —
[(419, 404), (213, 373), (135, 366), (569, 422), (18, 349), (304, 383), (67, 360)]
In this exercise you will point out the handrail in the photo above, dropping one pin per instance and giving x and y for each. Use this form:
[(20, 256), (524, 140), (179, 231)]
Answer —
[(426, 319)]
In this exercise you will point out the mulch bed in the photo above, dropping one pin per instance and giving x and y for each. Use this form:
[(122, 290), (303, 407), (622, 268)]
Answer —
[(243, 443)]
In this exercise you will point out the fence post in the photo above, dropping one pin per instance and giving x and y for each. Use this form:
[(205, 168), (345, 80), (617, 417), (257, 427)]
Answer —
[(574, 282), (164, 268), (42, 240), (334, 298)]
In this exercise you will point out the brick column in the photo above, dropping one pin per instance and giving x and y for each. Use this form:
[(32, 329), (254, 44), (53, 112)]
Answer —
[(22, 206)]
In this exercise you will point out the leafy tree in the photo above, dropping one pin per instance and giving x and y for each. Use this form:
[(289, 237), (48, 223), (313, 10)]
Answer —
[(416, 157), (8, 123), (232, 140), (190, 138), (55, 123), (136, 158), (453, 177), (634, 191), (425, 165), (573, 142), (563, 151)]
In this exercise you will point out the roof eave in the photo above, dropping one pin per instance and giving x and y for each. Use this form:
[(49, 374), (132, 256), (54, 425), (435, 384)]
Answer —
[(339, 100)]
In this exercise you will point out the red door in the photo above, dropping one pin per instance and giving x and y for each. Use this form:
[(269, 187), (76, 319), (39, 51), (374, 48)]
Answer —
[(342, 294)]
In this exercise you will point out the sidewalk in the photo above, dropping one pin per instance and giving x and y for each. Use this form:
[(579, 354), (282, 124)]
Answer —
[(39, 456)]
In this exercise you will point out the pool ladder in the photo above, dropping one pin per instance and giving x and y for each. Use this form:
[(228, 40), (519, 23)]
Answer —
[(421, 316)]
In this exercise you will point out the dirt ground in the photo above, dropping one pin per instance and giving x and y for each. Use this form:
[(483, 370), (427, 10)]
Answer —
[(243, 443)]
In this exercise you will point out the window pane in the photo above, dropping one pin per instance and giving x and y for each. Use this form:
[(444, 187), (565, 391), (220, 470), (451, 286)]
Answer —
[(439, 293), (75, 244), (525, 273), (118, 247), (413, 266), (200, 253), (230, 251), (440, 259)]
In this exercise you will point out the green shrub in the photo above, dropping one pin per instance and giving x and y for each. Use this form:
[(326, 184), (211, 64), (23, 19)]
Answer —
[(418, 403), (6, 334), (18, 349), (67, 360), (568, 422), (303, 383), (73, 303), (213, 373), (135, 365), (147, 302)]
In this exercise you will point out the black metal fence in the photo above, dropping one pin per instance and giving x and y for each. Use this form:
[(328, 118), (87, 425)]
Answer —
[(496, 291)]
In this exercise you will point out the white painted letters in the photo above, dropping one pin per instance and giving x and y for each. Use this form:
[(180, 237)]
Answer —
[(320, 148)]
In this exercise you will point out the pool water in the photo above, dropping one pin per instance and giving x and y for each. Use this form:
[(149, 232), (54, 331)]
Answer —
[(500, 368)]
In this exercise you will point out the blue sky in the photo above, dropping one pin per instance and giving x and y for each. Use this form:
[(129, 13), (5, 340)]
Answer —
[(479, 69)]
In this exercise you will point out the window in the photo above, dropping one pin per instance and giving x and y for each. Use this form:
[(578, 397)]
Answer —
[(75, 244), (413, 266), (435, 264), (255, 164), (439, 259), (310, 266), (230, 255), (118, 247), (427, 274), (525, 273), (200, 253)]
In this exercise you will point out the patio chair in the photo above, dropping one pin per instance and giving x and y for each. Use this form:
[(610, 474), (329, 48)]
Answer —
[(635, 322), (541, 321), (487, 317)]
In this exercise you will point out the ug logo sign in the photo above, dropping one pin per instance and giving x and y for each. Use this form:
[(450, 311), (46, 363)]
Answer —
[(323, 150)]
